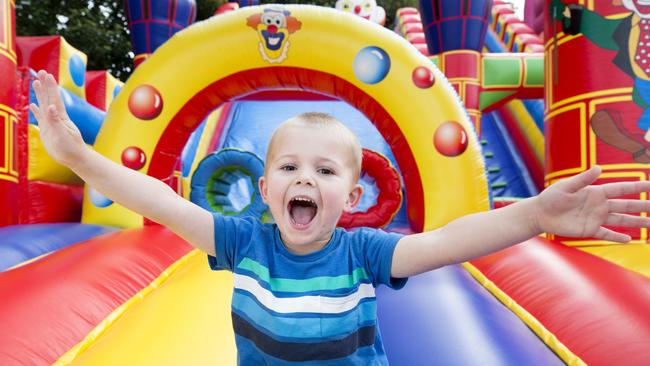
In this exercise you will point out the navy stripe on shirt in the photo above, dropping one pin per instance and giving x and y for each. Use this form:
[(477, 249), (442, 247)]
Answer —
[(304, 351)]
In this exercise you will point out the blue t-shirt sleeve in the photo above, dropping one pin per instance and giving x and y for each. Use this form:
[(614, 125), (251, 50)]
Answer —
[(379, 247), (230, 234)]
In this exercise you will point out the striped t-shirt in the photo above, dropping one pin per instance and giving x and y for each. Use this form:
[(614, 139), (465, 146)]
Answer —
[(314, 309)]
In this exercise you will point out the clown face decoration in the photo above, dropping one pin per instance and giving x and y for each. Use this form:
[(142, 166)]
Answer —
[(274, 27), (366, 9)]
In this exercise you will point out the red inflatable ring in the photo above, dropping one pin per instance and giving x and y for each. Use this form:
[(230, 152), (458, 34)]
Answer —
[(389, 199)]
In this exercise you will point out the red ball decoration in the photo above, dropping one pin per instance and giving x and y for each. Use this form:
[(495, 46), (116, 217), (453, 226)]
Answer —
[(145, 102), (423, 77), (133, 157), (450, 139)]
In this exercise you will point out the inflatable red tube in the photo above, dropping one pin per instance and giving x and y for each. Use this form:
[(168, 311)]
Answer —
[(62, 297), (389, 199), (597, 309)]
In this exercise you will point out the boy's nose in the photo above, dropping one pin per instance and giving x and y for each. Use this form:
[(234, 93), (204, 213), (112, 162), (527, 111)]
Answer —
[(305, 180)]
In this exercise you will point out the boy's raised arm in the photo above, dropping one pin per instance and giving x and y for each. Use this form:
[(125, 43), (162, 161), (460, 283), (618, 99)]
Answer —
[(572, 208), (135, 191)]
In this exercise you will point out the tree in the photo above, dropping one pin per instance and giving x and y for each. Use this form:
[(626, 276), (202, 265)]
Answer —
[(206, 8), (98, 28)]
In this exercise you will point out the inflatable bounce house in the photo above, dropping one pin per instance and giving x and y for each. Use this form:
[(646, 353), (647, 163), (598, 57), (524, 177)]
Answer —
[(462, 107)]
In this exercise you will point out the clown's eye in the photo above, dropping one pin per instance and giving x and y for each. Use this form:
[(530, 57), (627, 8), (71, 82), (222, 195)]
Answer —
[(367, 5), (346, 6), (268, 21), (277, 21)]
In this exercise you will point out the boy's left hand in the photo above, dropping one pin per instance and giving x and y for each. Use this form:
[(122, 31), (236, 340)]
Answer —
[(574, 208)]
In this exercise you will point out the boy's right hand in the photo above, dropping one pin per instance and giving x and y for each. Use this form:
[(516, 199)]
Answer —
[(59, 135), (146, 195)]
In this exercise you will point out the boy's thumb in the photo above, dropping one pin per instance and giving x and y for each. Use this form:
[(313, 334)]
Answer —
[(584, 179)]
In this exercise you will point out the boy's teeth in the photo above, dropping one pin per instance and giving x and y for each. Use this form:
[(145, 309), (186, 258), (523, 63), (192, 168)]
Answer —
[(303, 199)]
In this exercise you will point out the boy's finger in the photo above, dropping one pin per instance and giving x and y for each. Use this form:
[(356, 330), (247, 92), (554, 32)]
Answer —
[(622, 220), (41, 76), (53, 93), (38, 91), (611, 235), (620, 189), (35, 111), (581, 180), (626, 206)]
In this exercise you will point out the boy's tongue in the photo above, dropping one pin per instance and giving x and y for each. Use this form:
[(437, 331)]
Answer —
[(302, 215)]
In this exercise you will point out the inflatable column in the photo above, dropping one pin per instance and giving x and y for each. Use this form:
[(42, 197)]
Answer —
[(243, 3), (597, 93), (534, 15), (455, 31), (9, 121), (152, 23)]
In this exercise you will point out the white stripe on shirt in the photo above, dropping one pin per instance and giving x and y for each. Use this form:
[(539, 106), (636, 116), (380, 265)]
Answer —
[(303, 304)]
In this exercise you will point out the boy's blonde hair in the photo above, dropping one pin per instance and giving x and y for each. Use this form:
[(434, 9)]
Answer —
[(318, 120)]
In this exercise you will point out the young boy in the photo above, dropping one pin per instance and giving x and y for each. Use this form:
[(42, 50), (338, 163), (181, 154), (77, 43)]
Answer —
[(304, 289)]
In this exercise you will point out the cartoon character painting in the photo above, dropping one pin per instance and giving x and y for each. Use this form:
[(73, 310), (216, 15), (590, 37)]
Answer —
[(274, 27), (630, 37), (367, 9)]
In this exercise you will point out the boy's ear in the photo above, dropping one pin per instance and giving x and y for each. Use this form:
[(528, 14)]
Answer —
[(263, 189), (353, 198)]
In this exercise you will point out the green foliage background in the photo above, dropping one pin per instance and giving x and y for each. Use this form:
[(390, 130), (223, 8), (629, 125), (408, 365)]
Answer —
[(99, 27)]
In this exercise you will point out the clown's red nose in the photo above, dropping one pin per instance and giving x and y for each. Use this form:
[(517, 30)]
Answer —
[(272, 29), (357, 9)]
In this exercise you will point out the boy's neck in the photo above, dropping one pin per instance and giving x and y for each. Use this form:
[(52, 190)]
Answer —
[(305, 249)]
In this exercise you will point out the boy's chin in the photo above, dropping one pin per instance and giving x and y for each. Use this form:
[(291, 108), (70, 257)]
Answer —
[(298, 237), (304, 241)]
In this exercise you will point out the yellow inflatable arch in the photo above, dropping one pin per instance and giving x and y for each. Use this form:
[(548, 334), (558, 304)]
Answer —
[(300, 48)]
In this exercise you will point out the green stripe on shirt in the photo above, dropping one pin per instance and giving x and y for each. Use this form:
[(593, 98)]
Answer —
[(311, 284)]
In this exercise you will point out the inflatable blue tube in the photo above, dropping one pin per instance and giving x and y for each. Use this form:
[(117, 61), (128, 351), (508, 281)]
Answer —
[(445, 317), (24, 242), (503, 155), (218, 172)]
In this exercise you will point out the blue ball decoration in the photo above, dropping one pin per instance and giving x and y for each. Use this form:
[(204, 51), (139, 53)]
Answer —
[(98, 199), (116, 90), (371, 65), (77, 70)]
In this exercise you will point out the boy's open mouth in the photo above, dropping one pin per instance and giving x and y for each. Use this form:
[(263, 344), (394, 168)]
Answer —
[(302, 211)]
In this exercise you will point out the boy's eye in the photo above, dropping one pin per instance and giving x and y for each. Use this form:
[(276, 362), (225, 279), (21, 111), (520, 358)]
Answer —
[(288, 168), (326, 171)]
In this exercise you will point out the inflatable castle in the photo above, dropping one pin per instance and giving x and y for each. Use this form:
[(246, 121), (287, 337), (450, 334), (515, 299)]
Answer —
[(461, 107)]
